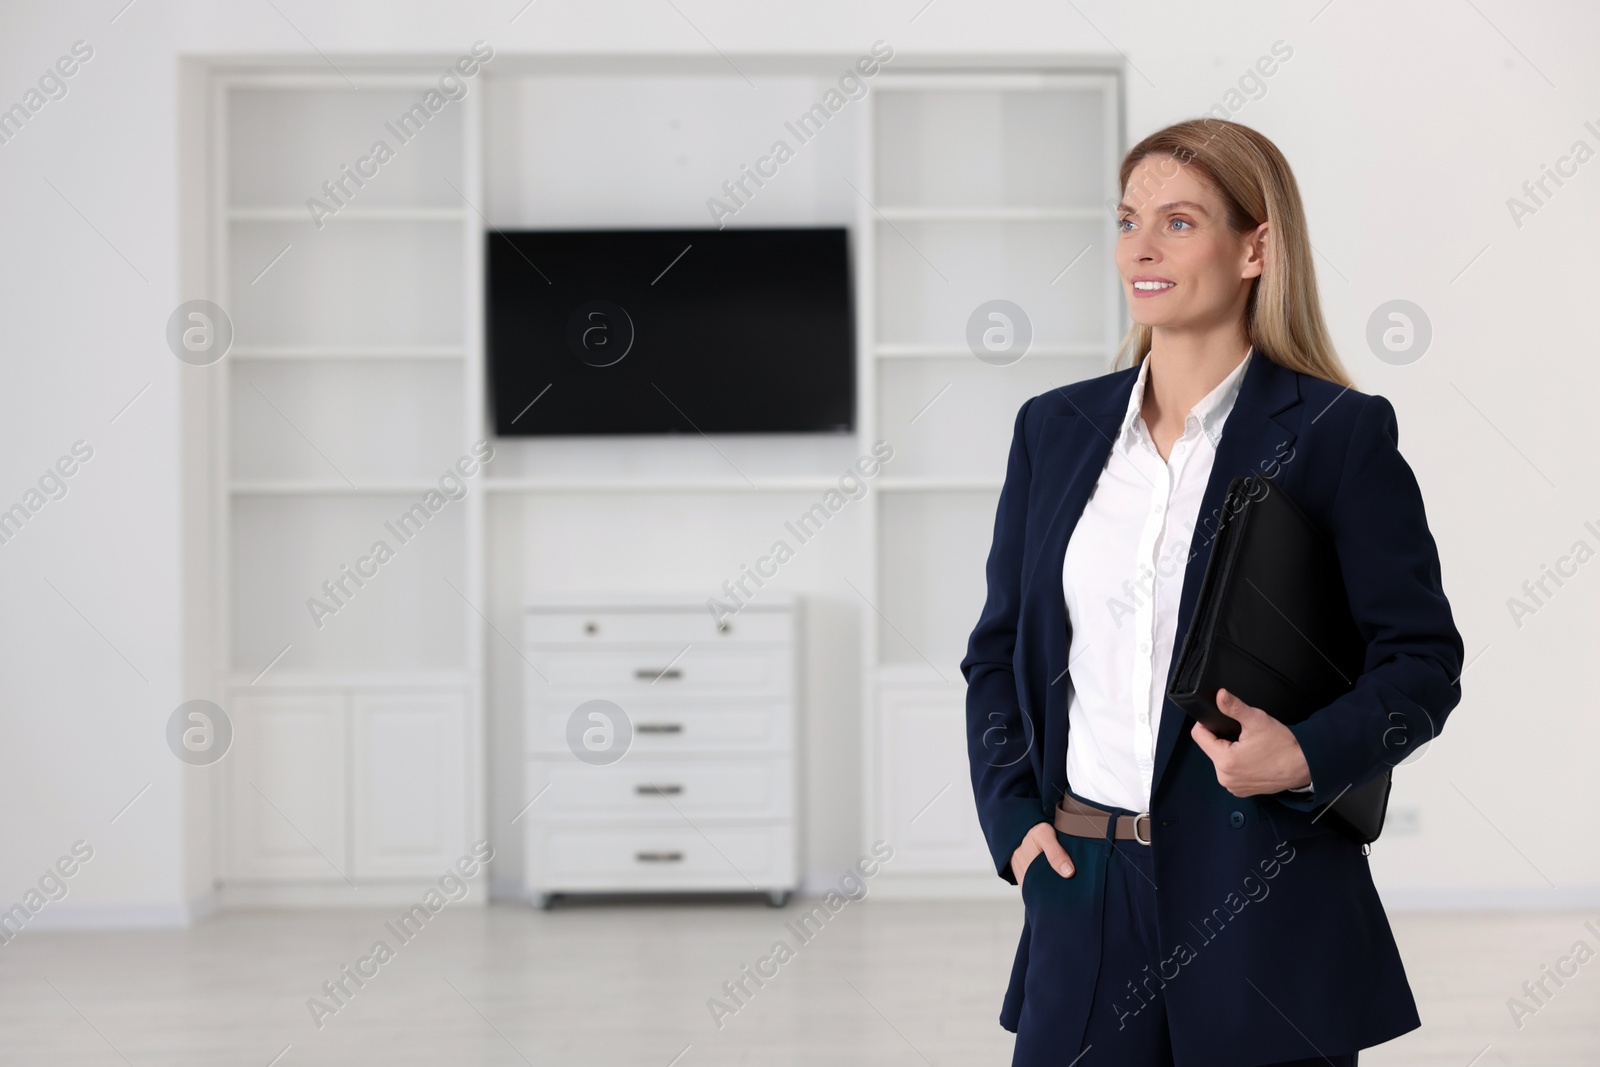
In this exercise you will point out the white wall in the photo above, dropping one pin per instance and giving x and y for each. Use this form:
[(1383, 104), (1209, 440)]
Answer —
[(1408, 126)]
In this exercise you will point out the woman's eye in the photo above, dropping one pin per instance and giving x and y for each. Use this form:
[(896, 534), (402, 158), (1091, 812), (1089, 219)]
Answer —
[(1182, 222), (1123, 224)]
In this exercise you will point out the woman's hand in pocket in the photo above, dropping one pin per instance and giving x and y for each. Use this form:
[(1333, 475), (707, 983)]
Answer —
[(1042, 838)]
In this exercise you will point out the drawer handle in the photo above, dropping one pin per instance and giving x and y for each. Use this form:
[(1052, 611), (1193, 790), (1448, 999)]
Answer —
[(660, 728), (658, 857), (653, 674), (646, 789)]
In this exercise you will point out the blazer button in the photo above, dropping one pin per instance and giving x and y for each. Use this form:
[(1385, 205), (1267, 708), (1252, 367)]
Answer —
[(1236, 820)]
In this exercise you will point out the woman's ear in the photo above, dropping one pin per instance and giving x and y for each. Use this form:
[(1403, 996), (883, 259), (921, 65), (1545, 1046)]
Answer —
[(1255, 247)]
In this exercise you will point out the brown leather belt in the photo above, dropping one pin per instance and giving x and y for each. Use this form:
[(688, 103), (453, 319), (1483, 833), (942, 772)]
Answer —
[(1081, 820)]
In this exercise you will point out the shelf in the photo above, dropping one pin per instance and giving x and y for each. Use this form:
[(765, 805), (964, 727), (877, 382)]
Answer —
[(951, 420), (345, 421), (375, 352), (285, 141), (633, 601), (1008, 81), (966, 151), (321, 487), (893, 350), (301, 213), (334, 679), (933, 274), (400, 285), (800, 484), (994, 214), (939, 485), (351, 81)]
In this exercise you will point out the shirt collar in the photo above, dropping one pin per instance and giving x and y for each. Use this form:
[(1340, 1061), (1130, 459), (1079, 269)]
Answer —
[(1211, 411)]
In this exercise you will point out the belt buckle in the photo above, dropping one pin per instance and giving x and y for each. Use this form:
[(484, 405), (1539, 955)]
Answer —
[(1145, 815)]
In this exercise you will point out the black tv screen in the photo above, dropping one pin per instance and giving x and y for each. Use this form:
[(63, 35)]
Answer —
[(670, 331)]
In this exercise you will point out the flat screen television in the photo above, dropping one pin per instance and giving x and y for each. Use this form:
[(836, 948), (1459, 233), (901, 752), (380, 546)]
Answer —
[(670, 331)]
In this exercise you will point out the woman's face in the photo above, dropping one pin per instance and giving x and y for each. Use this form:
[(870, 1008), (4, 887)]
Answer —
[(1182, 267)]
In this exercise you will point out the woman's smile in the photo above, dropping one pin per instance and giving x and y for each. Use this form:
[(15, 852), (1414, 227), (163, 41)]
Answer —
[(1146, 286)]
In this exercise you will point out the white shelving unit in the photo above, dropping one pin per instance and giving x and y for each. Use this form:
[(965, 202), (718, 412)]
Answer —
[(977, 187), (354, 384), (357, 378)]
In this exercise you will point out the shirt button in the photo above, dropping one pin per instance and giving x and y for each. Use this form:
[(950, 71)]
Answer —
[(1144, 646), (1143, 717), (1236, 820)]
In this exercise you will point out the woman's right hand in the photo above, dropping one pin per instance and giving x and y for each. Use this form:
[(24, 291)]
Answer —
[(1042, 838)]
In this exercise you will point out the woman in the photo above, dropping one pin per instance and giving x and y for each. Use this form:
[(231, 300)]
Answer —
[(1184, 901)]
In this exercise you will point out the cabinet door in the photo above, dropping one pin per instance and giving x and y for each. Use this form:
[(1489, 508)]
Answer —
[(928, 811), (287, 787), (409, 783)]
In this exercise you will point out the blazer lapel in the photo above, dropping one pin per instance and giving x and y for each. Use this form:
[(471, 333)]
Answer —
[(1074, 447), (1259, 430)]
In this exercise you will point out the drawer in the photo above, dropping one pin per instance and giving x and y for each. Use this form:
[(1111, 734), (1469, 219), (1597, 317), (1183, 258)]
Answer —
[(645, 858), (661, 670), (669, 728), (644, 627), (671, 791)]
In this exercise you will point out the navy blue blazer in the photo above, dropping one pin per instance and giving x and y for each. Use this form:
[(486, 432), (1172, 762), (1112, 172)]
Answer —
[(1320, 944)]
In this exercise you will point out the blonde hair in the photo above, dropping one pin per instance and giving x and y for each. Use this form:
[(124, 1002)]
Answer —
[(1283, 316)]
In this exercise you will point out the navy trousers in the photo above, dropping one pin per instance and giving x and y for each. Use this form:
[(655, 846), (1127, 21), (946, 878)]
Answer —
[(1126, 1022)]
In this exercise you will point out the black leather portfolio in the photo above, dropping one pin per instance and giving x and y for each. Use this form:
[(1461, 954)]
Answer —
[(1272, 625)]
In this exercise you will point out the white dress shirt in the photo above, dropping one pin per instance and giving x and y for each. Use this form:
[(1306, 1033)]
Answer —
[(1123, 576)]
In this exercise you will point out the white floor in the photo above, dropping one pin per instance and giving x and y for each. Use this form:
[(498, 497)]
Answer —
[(595, 984)]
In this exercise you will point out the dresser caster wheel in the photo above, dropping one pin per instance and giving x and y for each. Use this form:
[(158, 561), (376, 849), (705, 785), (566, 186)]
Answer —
[(777, 898), (544, 900)]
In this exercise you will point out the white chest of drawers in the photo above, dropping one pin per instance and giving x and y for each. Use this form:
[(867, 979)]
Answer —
[(681, 771)]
